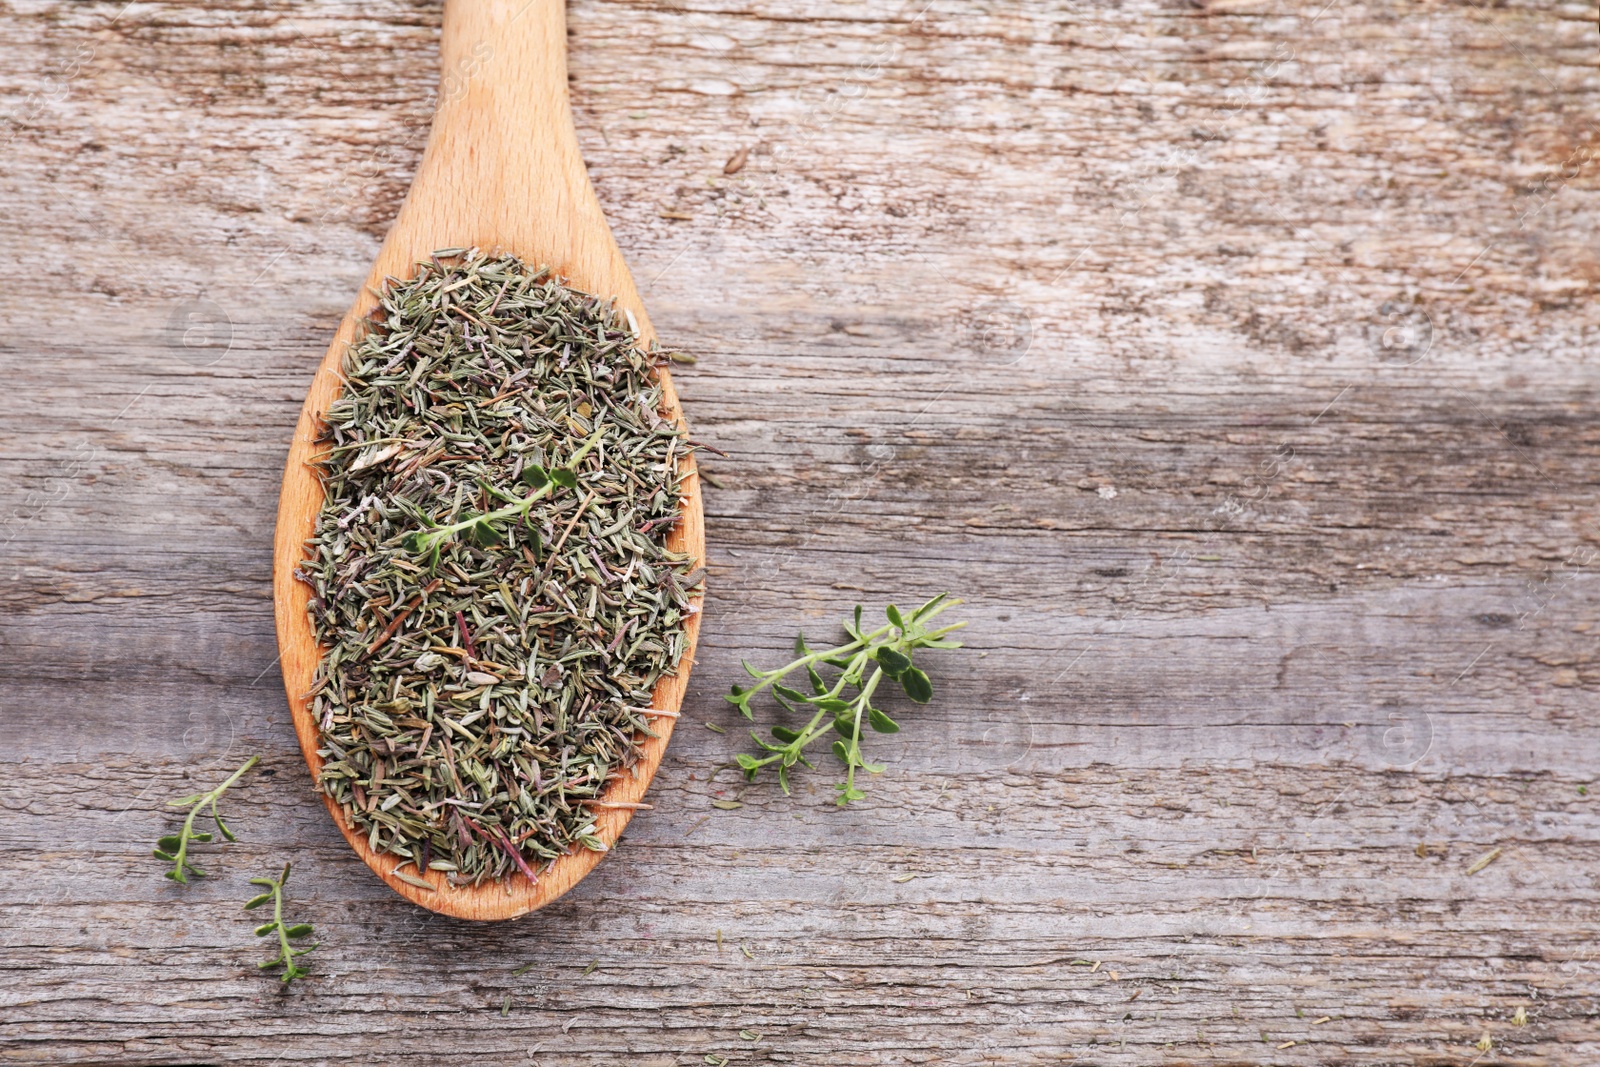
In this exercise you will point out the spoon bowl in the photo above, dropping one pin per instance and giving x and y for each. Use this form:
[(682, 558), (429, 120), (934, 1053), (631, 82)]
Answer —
[(502, 172)]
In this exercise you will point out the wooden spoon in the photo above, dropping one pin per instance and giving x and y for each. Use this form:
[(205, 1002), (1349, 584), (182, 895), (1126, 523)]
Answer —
[(502, 172)]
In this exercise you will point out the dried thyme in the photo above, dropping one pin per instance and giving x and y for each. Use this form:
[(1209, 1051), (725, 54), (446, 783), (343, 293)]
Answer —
[(491, 586)]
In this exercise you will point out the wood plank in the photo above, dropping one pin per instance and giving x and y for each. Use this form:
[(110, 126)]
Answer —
[(1231, 359)]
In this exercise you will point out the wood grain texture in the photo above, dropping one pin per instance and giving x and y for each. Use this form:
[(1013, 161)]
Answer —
[(1233, 360), (501, 172)]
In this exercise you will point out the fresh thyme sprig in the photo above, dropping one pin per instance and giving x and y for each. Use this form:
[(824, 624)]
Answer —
[(483, 531), (286, 952), (842, 706), (174, 848)]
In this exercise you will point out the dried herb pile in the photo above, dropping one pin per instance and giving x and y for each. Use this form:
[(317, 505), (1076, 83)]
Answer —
[(490, 581)]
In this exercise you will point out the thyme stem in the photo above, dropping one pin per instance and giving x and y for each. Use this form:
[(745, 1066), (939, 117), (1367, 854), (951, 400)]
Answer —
[(277, 920), (175, 848), (286, 951), (822, 657), (518, 508), (862, 703)]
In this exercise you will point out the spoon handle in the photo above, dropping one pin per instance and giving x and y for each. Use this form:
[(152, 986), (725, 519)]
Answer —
[(520, 44), (502, 169)]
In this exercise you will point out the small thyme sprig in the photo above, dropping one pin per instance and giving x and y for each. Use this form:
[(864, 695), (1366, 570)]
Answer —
[(174, 848), (286, 952), (483, 532), (886, 652)]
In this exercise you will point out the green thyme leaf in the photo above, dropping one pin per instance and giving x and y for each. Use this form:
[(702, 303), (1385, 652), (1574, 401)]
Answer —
[(917, 685), (939, 642), (485, 536), (818, 686), (881, 722), (894, 663)]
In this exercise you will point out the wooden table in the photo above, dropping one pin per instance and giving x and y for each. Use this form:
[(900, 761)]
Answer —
[(1233, 359)]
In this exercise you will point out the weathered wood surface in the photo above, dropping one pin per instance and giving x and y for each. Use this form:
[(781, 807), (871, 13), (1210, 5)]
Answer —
[(1231, 359)]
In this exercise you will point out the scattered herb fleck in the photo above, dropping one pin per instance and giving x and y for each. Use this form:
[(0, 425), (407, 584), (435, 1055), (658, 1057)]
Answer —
[(287, 953), (174, 848), (491, 587), (587, 971), (843, 705), (1484, 860)]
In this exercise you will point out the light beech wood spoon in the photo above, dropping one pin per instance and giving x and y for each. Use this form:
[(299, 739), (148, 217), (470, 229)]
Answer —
[(501, 172)]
